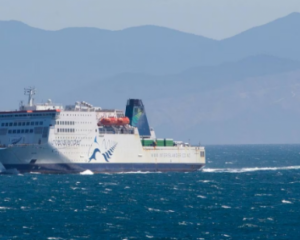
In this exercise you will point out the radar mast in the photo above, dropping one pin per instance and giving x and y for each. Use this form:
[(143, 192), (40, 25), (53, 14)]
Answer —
[(30, 92)]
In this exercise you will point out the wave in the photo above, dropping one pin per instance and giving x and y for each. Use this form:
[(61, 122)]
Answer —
[(242, 170), (87, 172), (137, 172)]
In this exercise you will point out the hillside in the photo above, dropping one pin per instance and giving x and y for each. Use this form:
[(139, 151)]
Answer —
[(243, 89)]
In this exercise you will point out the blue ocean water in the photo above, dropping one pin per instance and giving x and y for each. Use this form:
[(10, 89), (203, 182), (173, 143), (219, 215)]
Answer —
[(245, 192)]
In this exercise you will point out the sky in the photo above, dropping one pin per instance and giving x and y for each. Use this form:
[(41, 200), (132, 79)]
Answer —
[(217, 19)]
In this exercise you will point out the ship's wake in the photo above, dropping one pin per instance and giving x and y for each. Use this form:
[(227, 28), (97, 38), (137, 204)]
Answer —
[(242, 170)]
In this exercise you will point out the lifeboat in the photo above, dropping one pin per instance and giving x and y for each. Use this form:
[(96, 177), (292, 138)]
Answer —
[(122, 121), (111, 121)]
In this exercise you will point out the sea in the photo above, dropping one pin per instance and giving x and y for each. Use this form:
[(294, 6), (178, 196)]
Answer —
[(244, 192)]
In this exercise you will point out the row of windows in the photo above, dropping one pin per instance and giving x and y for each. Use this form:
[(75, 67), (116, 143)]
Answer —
[(16, 131), (69, 137), (65, 130), (65, 122), (27, 115), (21, 124), (82, 115)]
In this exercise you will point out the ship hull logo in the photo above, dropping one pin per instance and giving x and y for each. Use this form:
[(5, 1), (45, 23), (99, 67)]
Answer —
[(106, 154)]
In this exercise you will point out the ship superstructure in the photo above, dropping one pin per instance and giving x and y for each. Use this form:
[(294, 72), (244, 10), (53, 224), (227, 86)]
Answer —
[(50, 138)]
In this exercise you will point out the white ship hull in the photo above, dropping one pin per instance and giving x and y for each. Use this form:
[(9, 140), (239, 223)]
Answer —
[(101, 154), (48, 138)]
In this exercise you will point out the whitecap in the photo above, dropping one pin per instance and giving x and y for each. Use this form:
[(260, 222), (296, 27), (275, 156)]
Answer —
[(148, 236), (200, 196), (224, 206), (87, 172), (154, 210), (287, 202), (263, 194), (4, 208), (206, 181), (242, 170), (182, 223), (248, 225), (114, 184), (137, 172)]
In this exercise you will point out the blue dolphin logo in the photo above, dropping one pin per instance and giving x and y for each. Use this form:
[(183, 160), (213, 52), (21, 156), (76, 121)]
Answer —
[(96, 150)]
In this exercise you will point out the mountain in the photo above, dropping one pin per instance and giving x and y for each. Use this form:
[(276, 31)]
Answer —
[(239, 102), (242, 89), (90, 51), (194, 80), (76, 53), (278, 38)]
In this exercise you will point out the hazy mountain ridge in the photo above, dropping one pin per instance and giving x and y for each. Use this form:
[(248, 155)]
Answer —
[(214, 107), (146, 49), (242, 89)]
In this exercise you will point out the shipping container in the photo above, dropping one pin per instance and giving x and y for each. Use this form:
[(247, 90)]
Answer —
[(168, 142), (160, 142), (147, 142)]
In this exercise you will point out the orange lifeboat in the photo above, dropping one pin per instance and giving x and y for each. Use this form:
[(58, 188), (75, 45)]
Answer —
[(110, 121), (123, 121)]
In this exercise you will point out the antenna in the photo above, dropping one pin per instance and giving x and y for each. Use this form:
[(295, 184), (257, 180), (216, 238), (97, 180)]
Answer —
[(30, 92)]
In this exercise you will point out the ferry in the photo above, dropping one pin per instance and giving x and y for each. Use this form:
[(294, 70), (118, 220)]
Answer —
[(51, 138)]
